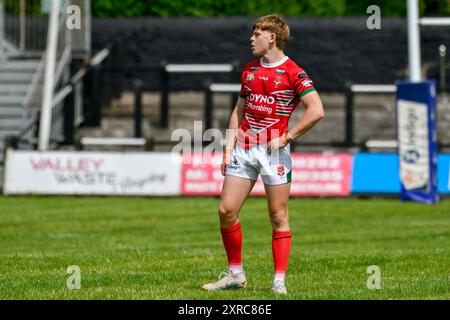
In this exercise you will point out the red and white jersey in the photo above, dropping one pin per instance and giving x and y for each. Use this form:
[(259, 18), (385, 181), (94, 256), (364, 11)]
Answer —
[(271, 93)]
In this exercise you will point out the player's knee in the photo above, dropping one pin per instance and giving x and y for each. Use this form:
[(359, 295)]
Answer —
[(279, 219), (225, 212)]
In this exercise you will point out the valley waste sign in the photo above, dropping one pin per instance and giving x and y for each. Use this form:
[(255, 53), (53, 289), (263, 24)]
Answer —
[(91, 173)]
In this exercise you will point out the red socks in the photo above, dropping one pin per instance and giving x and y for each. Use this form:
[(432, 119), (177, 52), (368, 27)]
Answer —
[(232, 241), (281, 246)]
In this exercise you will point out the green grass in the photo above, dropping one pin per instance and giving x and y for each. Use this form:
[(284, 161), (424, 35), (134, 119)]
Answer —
[(166, 248)]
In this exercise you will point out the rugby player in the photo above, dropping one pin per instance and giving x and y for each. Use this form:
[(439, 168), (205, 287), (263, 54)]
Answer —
[(258, 143)]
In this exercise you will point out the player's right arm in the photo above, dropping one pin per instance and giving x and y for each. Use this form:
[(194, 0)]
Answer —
[(232, 132)]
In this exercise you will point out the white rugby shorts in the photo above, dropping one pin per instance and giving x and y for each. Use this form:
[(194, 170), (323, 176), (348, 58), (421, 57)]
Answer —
[(274, 168)]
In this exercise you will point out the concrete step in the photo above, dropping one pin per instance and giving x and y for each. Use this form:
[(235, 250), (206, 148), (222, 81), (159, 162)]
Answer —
[(18, 64), (13, 90), (11, 124), (16, 78), (22, 69), (11, 99), (11, 113), (17, 71), (5, 133), (8, 104)]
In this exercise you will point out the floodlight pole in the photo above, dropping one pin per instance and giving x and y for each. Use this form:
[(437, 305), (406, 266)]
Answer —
[(414, 56), (46, 108)]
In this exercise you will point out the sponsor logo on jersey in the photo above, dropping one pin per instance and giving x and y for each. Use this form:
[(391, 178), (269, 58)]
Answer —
[(259, 108), (263, 78), (307, 83), (250, 77), (278, 71), (259, 98), (254, 68), (280, 170)]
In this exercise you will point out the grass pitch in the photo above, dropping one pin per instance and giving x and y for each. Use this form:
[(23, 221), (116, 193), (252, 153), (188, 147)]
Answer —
[(166, 248)]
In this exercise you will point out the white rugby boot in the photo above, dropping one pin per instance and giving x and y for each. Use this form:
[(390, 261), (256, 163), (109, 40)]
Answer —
[(279, 287), (228, 282)]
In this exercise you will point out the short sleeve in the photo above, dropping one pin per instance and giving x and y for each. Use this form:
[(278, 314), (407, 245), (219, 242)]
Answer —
[(302, 83)]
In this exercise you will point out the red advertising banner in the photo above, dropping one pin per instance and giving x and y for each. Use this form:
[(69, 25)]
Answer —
[(200, 175), (312, 175), (321, 174)]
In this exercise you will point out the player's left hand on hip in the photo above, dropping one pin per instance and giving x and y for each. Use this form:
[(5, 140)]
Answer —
[(276, 144)]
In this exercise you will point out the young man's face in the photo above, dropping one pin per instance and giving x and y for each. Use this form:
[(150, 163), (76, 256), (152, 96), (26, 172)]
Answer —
[(260, 42)]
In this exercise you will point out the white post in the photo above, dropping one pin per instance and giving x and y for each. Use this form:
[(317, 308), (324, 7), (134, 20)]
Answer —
[(414, 41), (88, 27), (436, 22), (2, 31), (47, 97)]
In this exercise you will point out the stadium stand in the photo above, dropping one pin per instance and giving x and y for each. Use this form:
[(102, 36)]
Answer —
[(146, 85), (16, 84)]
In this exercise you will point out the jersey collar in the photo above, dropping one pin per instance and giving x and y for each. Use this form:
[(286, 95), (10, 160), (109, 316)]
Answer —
[(274, 64)]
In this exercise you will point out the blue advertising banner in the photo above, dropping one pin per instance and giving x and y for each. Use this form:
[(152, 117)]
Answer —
[(444, 173), (417, 137), (379, 173), (375, 173)]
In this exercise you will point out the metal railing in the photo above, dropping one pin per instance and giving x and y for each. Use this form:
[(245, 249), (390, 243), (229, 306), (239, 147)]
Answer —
[(25, 26), (169, 69), (370, 144), (124, 143), (213, 88), (67, 108), (33, 99), (349, 105)]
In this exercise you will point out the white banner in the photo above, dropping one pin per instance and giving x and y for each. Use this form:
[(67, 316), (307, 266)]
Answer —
[(413, 144), (91, 173)]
